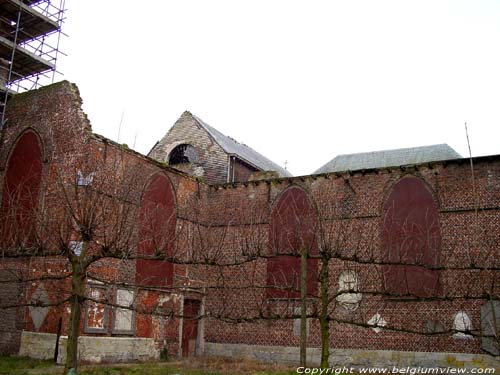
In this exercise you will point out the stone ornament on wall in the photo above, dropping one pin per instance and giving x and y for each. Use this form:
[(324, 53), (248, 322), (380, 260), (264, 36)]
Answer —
[(377, 322), (462, 324), (349, 282), (39, 313)]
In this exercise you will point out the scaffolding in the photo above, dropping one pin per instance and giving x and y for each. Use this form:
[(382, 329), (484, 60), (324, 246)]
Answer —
[(30, 32)]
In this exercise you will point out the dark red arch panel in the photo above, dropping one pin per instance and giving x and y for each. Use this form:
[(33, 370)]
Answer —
[(411, 237), (21, 189), (293, 227), (157, 221)]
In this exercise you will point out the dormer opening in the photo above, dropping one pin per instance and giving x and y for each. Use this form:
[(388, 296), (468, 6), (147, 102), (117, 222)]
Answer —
[(183, 154)]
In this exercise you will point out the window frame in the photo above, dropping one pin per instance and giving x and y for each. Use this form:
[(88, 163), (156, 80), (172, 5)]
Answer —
[(131, 331), (86, 328)]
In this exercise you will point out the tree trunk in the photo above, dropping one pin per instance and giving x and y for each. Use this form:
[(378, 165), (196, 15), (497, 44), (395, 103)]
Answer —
[(77, 289), (58, 337), (303, 308), (323, 318)]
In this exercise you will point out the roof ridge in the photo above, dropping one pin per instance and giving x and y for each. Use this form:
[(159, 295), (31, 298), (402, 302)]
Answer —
[(397, 149), (392, 157), (252, 156)]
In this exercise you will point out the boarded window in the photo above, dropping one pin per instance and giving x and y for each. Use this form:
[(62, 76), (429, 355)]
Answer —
[(283, 275), (157, 223), (292, 230), (411, 239), (20, 192), (95, 311), (124, 317)]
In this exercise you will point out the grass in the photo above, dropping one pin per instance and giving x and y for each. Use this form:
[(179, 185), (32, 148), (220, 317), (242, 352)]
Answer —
[(17, 365), (191, 366)]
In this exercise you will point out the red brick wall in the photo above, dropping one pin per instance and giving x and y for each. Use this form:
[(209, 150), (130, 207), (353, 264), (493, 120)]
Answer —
[(119, 175), (352, 209), (230, 223)]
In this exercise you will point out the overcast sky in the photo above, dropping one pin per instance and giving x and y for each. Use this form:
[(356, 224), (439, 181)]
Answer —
[(298, 81)]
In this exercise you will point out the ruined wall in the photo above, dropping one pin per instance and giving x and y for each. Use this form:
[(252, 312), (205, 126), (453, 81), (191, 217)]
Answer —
[(86, 172)]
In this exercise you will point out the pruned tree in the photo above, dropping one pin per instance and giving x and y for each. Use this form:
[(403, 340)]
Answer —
[(268, 260)]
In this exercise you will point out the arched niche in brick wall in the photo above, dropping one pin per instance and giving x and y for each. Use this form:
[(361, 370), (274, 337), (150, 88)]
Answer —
[(157, 222), (21, 189), (411, 238), (293, 227)]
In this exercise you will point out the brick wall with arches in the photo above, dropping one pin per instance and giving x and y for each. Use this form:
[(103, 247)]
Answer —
[(412, 251)]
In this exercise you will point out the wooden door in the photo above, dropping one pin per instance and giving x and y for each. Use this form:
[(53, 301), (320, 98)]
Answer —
[(190, 326)]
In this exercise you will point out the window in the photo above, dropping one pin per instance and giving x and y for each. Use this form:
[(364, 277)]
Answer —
[(183, 154), (411, 240), (292, 230), (95, 309), (124, 317)]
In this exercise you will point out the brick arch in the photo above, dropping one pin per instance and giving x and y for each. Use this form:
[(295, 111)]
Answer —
[(411, 237), (157, 224), (293, 227), (293, 223), (21, 189), (389, 186)]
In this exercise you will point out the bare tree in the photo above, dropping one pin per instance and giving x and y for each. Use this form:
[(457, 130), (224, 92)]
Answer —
[(95, 215)]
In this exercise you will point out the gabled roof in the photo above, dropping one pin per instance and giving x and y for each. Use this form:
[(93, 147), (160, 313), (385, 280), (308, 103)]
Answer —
[(389, 158), (242, 151)]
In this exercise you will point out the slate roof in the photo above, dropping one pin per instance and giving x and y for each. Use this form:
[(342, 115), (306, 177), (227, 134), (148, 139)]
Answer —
[(389, 158), (242, 151)]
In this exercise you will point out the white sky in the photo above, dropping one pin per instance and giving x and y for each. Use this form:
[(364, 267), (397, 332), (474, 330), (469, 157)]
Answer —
[(298, 81)]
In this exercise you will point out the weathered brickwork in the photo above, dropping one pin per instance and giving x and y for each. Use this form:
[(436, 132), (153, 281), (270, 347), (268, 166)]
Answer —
[(221, 246), (68, 148), (11, 323), (352, 205)]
